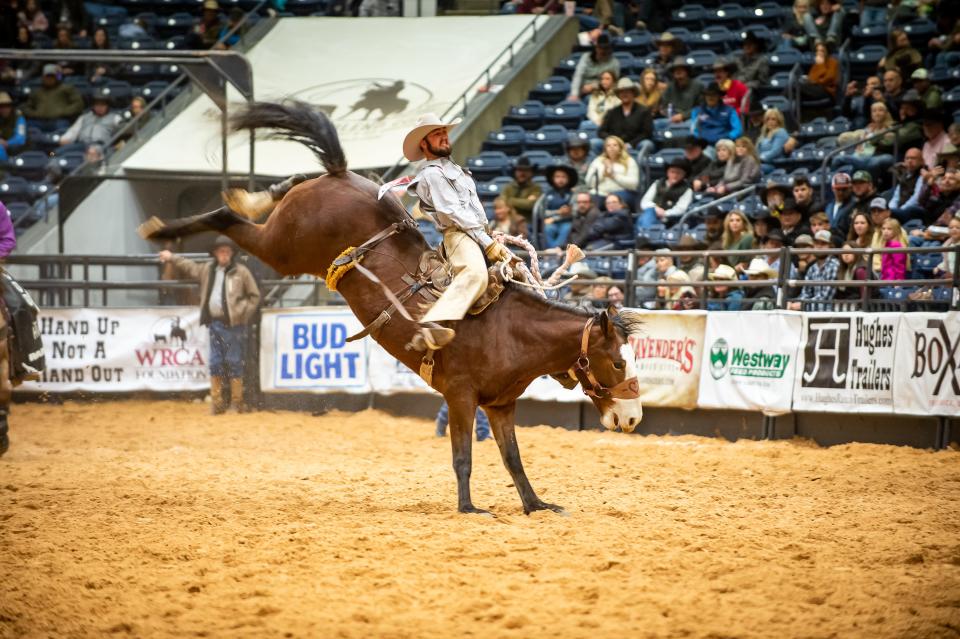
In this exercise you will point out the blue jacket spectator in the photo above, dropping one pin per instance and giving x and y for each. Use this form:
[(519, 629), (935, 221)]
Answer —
[(558, 204), (714, 120), (773, 136), (13, 128)]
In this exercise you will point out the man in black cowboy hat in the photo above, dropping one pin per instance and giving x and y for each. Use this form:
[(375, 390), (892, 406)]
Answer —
[(558, 203), (763, 222), (734, 91), (753, 71), (683, 92), (774, 195), (697, 160), (229, 298), (523, 192), (669, 197), (587, 74), (631, 121)]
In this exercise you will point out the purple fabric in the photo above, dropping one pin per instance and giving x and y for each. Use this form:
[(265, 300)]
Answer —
[(8, 238), (893, 266)]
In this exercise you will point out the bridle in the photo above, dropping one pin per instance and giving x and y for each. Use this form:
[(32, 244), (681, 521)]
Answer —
[(627, 389)]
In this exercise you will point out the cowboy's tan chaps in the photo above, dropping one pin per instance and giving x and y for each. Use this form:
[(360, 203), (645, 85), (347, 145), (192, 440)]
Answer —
[(469, 278)]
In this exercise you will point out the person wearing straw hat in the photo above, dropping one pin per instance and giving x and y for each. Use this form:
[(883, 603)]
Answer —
[(630, 121), (13, 127), (760, 298), (724, 297), (449, 196)]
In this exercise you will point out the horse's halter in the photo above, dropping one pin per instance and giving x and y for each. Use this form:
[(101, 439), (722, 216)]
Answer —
[(627, 389)]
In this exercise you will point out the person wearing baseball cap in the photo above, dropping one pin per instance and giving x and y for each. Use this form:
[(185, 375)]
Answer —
[(13, 127), (839, 210), (820, 269), (523, 192), (682, 93), (863, 191), (929, 92), (54, 104), (714, 120)]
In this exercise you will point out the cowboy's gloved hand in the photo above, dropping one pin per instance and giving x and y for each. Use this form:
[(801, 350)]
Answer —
[(497, 252)]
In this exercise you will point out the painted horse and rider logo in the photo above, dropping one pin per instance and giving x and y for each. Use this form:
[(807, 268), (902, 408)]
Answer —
[(170, 332)]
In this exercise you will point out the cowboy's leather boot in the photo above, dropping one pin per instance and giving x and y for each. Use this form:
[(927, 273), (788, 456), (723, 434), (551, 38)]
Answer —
[(236, 395), (218, 403)]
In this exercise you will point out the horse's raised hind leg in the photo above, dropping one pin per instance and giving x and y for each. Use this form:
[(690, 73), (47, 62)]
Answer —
[(462, 413), (504, 430)]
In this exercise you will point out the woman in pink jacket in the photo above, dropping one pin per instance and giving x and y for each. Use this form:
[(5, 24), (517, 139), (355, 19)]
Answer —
[(893, 266)]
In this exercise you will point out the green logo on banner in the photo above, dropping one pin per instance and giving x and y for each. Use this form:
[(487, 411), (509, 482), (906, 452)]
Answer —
[(743, 363), (719, 356)]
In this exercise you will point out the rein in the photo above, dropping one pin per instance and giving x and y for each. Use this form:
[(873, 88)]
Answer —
[(627, 389)]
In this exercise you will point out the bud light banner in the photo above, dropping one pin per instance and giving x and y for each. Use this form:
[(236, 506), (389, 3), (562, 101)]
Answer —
[(669, 348), (749, 361), (927, 375), (307, 350), (846, 363), (109, 350)]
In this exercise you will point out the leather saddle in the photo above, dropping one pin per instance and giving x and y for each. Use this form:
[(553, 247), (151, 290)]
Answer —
[(435, 274)]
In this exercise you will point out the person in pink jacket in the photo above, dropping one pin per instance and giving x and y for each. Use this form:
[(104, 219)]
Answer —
[(893, 266)]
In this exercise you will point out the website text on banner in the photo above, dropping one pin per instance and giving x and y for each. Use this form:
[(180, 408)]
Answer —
[(927, 375), (307, 350), (114, 350), (750, 360), (846, 363)]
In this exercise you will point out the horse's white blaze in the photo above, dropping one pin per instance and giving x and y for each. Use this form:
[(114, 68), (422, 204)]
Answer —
[(625, 413)]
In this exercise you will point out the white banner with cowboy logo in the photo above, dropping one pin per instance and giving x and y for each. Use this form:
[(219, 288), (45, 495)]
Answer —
[(927, 375), (114, 350), (669, 350), (846, 363), (749, 361), (306, 349)]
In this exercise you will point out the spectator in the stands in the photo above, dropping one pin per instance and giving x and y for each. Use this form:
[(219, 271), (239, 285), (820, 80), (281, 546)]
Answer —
[(682, 94), (773, 195), (614, 171), (805, 198), (820, 222), (676, 295), (856, 102), (737, 236), (953, 132), (861, 230), (210, 24), (558, 204), (893, 266), (760, 298), (791, 222), (868, 155), (585, 215), (752, 66), (96, 126), (853, 267), (669, 197), (940, 195), (664, 264), (234, 19), (907, 183), (741, 171), (773, 136), (98, 70), (391, 9), (724, 151), (774, 241), (801, 258), (646, 272), (72, 13), (714, 120), (734, 91), (822, 77), (826, 24), (578, 151), (603, 98), (946, 268), (33, 17), (649, 93), (93, 155), (901, 56), (931, 94), (910, 132), (669, 47), (506, 219), (791, 28), (613, 225), (692, 264), (723, 297), (753, 124), (13, 128), (949, 157), (64, 40), (52, 105), (935, 136), (629, 121), (823, 268), (713, 220), (763, 223), (696, 158), (523, 192), (892, 90), (873, 13), (587, 74), (945, 48), (839, 209)]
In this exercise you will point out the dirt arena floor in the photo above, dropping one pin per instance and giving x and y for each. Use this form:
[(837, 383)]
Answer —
[(154, 519)]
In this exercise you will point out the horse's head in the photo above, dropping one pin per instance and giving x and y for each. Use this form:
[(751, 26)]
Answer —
[(608, 373)]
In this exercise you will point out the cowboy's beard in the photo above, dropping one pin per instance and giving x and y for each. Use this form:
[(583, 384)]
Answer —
[(439, 151)]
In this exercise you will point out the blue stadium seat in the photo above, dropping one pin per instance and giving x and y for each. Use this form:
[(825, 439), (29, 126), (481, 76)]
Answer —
[(876, 34), (137, 44), (151, 90), (701, 60), (40, 189), (634, 42), (589, 127), (730, 15), (30, 164), (838, 125), (138, 73), (15, 189), (509, 140), (551, 91), (691, 15), (777, 102), (783, 60), (567, 66), (628, 64), (768, 14), (942, 294), (920, 32), (169, 70), (657, 163), (717, 38), (80, 84), (566, 114), (686, 36), (177, 24), (488, 165), (19, 214), (118, 91), (528, 115), (945, 77), (673, 136), (539, 158), (489, 191), (864, 60), (951, 100), (761, 31), (175, 42), (550, 138), (69, 162)]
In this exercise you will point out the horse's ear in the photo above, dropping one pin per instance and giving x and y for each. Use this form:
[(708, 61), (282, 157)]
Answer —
[(605, 323)]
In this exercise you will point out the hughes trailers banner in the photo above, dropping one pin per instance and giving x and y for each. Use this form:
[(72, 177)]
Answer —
[(927, 375), (846, 363), (114, 350), (749, 361)]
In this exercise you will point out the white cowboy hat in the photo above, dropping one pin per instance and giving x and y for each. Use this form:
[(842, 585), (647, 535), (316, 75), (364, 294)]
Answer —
[(724, 272), (425, 124), (759, 266)]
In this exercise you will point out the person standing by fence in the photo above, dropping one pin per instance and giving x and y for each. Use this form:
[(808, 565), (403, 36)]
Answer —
[(229, 298)]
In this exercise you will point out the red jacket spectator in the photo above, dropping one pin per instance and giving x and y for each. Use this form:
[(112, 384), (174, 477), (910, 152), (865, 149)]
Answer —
[(734, 91)]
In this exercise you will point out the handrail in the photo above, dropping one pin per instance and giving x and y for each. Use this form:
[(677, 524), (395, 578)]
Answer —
[(397, 167), (849, 145), (736, 195)]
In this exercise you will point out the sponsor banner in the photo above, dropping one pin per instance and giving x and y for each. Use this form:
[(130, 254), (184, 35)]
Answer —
[(927, 376), (669, 348), (846, 362), (749, 361), (115, 350), (307, 350)]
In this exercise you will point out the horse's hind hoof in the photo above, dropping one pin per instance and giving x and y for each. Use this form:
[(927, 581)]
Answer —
[(542, 505), (472, 510)]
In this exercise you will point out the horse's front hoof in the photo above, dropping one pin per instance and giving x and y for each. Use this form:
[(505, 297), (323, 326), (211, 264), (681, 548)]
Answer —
[(542, 505), (472, 510)]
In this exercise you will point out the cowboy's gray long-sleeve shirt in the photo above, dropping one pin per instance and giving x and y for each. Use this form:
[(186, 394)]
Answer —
[(449, 197)]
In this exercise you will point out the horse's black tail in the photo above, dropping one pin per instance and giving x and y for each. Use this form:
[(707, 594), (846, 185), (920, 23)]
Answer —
[(299, 122)]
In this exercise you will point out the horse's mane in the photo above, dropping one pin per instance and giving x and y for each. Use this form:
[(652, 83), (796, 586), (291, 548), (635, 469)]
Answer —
[(626, 321)]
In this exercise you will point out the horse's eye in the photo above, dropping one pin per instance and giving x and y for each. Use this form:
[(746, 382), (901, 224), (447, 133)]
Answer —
[(619, 365)]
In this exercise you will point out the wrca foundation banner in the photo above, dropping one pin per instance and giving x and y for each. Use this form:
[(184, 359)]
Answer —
[(114, 350), (749, 361), (669, 347), (927, 375), (847, 363)]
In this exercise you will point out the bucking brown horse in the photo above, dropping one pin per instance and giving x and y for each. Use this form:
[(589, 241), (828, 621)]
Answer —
[(495, 354)]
